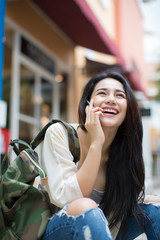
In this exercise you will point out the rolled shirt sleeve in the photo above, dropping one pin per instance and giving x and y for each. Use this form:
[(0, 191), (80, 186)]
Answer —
[(57, 160)]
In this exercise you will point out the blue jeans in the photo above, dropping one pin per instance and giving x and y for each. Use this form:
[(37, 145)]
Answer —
[(92, 225), (150, 224)]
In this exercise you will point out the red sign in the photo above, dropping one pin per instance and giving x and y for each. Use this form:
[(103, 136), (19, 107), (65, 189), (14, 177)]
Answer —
[(4, 140)]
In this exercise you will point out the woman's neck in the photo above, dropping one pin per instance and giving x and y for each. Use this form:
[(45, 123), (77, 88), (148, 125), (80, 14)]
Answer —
[(84, 140), (109, 137)]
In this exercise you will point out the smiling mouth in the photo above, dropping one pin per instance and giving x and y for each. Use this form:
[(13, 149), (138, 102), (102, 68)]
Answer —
[(111, 111)]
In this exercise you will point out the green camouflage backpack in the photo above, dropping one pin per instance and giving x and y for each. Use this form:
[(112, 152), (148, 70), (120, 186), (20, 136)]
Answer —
[(25, 209)]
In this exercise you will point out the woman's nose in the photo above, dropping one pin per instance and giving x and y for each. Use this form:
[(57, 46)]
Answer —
[(110, 99)]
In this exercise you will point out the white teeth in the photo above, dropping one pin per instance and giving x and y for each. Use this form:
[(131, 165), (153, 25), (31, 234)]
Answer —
[(110, 111)]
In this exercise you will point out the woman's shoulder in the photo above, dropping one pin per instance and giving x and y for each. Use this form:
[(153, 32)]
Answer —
[(59, 129), (57, 135)]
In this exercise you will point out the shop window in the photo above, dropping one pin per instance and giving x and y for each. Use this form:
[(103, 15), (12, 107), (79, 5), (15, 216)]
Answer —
[(46, 105), (27, 83), (26, 131), (35, 85)]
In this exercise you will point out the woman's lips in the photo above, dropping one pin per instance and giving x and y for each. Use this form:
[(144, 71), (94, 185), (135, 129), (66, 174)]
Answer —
[(110, 110)]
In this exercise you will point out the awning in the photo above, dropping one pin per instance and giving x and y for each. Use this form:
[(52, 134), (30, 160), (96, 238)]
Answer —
[(94, 67), (78, 21)]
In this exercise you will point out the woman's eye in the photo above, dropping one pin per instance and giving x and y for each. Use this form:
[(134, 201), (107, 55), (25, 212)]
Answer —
[(101, 93), (121, 95)]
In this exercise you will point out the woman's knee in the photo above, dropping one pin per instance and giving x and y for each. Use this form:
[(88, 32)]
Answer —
[(80, 205)]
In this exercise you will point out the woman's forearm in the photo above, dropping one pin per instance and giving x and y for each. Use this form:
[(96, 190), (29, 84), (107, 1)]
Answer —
[(87, 173)]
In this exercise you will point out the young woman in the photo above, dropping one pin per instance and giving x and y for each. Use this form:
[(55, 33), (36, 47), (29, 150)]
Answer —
[(102, 196)]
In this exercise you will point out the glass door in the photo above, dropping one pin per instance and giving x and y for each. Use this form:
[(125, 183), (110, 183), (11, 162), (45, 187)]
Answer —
[(27, 115), (35, 103), (46, 105), (35, 97)]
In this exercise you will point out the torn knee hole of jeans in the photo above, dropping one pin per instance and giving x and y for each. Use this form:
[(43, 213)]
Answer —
[(63, 212)]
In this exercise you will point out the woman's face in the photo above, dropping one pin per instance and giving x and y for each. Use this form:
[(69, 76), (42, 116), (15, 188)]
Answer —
[(109, 94)]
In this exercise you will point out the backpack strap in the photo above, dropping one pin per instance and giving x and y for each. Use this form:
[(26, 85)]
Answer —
[(72, 137), (5, 162), (73, 142)]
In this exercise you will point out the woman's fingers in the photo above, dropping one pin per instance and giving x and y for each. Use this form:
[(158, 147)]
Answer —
[(93, 114), (94, 109), (93, 124), (91, 104)]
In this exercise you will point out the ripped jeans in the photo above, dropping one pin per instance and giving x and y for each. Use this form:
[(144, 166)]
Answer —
[(92, 225), (150, 224)]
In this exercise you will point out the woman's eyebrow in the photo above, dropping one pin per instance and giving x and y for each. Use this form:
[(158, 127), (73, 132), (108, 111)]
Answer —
[(119, 90), (104, 89), (99, 89)]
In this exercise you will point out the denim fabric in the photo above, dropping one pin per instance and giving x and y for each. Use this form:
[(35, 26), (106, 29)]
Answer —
[(90, 225), (150, 223)]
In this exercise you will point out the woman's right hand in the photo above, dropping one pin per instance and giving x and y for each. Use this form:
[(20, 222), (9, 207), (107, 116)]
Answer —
[(91, 162), (93, 124)]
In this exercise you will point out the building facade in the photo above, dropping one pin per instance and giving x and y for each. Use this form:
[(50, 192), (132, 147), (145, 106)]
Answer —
[(44, 67), (52, 49)]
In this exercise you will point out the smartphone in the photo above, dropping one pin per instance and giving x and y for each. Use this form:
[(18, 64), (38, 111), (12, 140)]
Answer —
[(88, 102)]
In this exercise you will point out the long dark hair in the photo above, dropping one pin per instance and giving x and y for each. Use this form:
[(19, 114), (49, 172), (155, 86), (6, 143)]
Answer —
[(125, 167)]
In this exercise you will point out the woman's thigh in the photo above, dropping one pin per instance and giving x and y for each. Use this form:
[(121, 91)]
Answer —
[(150, 223), (89, 225)]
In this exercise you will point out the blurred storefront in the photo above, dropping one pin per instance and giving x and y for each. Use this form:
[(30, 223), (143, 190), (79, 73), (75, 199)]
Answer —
[(38, 68), (51, 50)]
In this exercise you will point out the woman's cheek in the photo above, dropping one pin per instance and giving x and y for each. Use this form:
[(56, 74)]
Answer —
[(96, 101)]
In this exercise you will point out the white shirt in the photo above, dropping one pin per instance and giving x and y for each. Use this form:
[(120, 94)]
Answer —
[(57, 161)]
